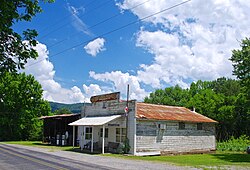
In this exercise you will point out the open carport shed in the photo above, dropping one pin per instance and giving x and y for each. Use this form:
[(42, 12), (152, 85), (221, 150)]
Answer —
[(56, 130)]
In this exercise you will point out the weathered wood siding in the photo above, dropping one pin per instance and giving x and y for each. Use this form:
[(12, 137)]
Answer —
[(114, 107), (171, 140)]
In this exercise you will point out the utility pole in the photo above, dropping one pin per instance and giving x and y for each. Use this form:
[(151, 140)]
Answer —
[(127, 112)]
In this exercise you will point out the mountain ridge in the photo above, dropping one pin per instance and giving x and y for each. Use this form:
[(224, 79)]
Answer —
[(74, 108)]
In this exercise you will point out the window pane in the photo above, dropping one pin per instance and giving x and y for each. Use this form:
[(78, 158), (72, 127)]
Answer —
[(101, 132), (88, 136), (123, 131), (117, 139), (88, 129), (181, 125), (199, 126), (117, 130), (106, 133), (123, 138)]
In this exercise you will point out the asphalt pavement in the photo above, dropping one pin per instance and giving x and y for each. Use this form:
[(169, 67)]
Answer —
[(18, 157)]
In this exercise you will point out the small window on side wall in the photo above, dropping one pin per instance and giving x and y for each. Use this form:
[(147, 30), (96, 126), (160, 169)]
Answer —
[(199, 126), (181, 125), (104, 105)]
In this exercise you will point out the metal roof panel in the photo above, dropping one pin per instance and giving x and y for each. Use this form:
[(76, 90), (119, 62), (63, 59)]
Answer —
[(172, 113)]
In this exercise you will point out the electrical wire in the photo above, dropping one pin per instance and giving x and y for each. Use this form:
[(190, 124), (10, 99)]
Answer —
[(54, 30), (63, 19), (99, 23), (114, 30)]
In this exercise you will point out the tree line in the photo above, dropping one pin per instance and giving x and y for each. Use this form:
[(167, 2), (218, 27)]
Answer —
[(21, 102), (224, 100)]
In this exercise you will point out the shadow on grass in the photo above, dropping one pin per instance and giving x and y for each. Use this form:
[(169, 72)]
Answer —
[(85, 151), (41, 144), (234, 157)]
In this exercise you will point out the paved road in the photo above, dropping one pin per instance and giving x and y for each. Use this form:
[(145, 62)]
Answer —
[(12, 157), (18, 157)]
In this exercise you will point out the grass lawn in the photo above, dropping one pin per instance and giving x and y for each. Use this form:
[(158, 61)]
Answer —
[(218, 159), (40, 144)]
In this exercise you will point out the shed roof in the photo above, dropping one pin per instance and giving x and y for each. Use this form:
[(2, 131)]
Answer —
[(94, 121), (60, 116), (172, 113)]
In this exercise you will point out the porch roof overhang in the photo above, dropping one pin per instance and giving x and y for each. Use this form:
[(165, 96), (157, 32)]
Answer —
[(94, 121)]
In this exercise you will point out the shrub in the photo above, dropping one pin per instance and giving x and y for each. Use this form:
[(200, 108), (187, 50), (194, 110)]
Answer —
[(234, 144)]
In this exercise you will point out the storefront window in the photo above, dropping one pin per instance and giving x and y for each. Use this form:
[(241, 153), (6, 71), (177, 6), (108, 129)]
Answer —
[(106, 132), (120, 135), (88, 133)]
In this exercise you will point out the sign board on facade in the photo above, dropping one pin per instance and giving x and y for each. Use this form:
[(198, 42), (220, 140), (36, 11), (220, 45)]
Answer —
[(105, 97)]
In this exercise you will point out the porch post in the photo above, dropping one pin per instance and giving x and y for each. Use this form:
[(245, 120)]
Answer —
[(81, 142), (73, 137), (92, 139), (103, 137)]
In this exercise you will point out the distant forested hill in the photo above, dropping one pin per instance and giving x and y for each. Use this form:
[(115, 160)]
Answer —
[(74, 108)]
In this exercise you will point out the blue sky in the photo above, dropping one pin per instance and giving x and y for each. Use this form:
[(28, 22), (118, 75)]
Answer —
[(187, 43)]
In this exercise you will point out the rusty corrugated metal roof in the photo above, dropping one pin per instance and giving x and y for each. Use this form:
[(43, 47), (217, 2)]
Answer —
[(60, 116), (172, 113)]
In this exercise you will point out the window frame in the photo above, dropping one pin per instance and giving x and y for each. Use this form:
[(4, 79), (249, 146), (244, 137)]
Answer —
[(199, 126), (182, 126), (88, 133), (106, 132), (120, 135)]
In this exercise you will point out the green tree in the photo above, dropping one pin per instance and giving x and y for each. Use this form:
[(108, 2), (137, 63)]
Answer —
[(62, 111), (21, 105), (207, 103), (197, 87), (175, 96), (226, 86), (241, 63), (14, 48), (242, 115), (226, 114)]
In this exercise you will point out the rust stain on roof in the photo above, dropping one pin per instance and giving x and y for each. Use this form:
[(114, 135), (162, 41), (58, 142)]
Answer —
[(60, 116), (172, 113)]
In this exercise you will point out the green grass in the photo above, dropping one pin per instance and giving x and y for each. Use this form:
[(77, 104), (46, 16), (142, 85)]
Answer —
[(40, 145), (218, 159)]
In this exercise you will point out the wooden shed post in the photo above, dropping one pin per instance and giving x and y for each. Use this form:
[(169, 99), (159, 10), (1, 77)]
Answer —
[(103, 137), (92, 139), (73, 137)]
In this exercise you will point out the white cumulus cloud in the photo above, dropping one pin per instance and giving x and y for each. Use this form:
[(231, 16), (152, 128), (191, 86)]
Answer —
[(120, 81), (44, 72), (190, 42), (95, 47)]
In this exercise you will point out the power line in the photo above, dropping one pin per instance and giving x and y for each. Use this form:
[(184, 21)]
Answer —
[(99, 23), (54, 30), (63, 19), (114, 30)]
